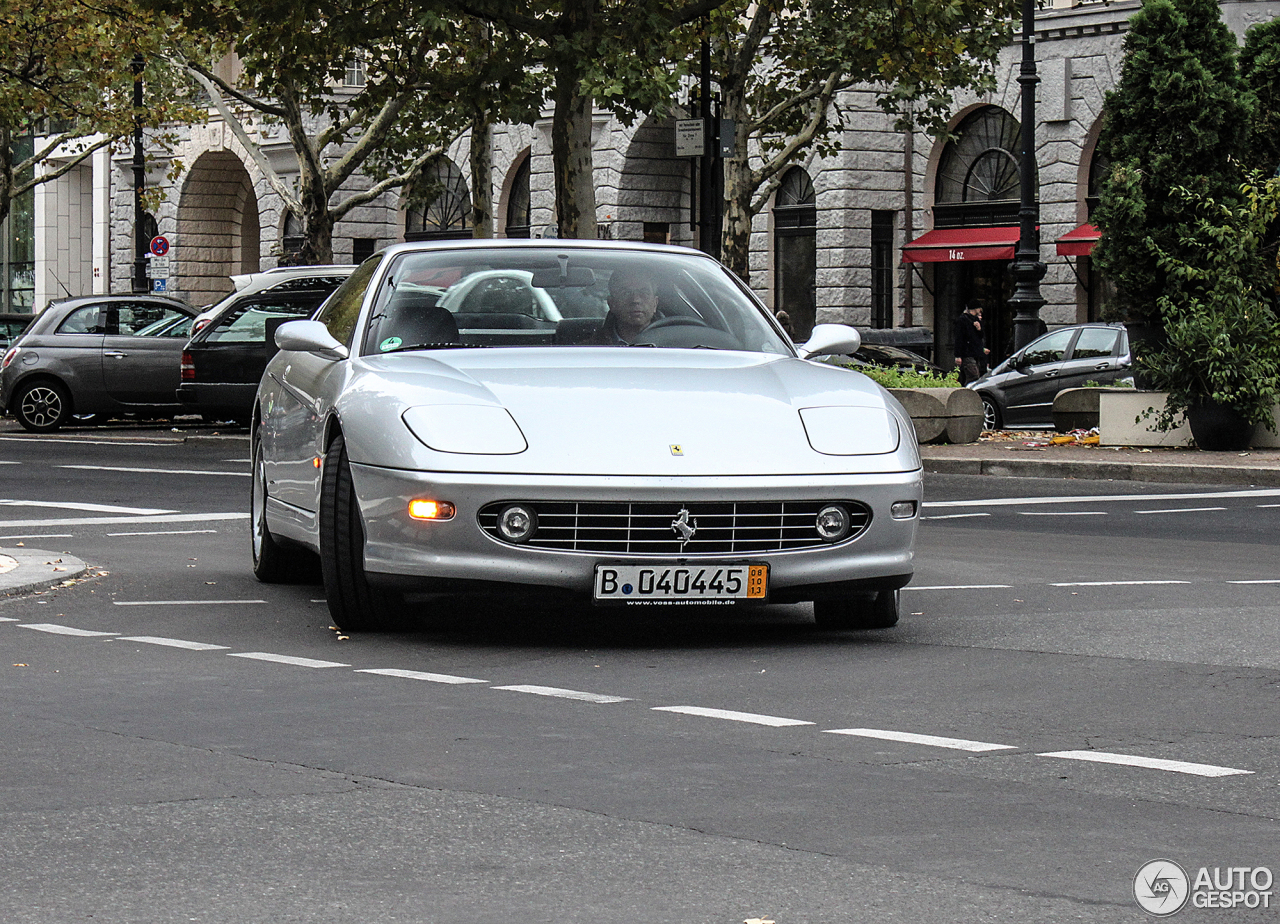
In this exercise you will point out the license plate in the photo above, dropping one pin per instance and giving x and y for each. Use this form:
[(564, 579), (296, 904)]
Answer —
[(668, 584)]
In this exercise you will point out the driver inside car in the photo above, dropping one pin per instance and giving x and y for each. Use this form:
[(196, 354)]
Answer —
[(633, 301)]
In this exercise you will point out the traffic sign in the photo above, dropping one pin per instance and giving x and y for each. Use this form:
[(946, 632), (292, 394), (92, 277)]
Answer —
[(159, 245), (159, 285), (158, 267)]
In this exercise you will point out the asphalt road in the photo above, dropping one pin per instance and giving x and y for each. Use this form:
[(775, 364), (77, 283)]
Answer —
[(1084, 679)]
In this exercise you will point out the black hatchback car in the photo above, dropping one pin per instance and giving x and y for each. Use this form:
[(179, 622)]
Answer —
[(1020, 391), (224, 361)]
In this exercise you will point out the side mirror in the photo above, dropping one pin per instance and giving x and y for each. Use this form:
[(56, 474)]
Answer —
[(309, 337), (828, 339)]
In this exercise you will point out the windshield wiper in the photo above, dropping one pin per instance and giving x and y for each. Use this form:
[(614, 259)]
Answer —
[(438, 346)]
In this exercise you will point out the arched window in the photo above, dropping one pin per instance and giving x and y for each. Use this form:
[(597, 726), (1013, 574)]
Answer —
[(978, 182), (795, 244), (518, 202), (440, 206)]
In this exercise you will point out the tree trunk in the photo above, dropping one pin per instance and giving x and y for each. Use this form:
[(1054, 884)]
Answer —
[(481, 176), (735, 238), (6, 171), (571, 157)]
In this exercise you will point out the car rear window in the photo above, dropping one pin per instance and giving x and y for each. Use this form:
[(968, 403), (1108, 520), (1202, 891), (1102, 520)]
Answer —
[(246, 322), (91, 319)]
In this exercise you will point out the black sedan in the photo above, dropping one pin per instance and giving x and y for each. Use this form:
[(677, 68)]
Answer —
[(225, 359), (1020, 391), (98, 356)]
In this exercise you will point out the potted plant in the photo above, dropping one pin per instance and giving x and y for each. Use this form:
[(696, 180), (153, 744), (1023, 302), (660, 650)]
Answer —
[(1220, 358)]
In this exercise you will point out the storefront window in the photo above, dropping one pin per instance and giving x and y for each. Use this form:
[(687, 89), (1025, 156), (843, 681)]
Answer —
[(17, 249)]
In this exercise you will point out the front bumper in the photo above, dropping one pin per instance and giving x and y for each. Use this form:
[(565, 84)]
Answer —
[(441, 553)]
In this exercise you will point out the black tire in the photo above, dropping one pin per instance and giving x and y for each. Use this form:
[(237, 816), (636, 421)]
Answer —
[(858, 613), (354, 604), (274, 562), (42, 406), (991, 418)]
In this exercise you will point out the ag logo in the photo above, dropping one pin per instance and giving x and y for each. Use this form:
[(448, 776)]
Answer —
[(1161, 887)]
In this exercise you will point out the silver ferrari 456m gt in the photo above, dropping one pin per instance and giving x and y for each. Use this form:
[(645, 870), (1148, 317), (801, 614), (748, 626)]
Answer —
[(623, 422)]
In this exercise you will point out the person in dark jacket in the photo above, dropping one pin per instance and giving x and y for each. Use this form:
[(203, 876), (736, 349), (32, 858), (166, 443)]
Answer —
[(633, 301), (970, 347)]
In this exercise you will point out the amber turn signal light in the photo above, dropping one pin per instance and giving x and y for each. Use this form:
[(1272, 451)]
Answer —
[(431, 510)]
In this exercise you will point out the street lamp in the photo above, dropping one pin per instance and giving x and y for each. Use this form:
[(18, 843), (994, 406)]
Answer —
[(139, 182), (1027, 268)]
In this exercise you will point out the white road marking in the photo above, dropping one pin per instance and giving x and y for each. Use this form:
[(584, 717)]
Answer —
[(962, 587), (168, 532), (1104, 498), (564, 694), (39, 536), (151, 471), (1150, 763), (1183, 510), (7, 462), (1113, 583), (956, 516), (285, 659), (182, 602), (86, 508), (63, 630), (7, 619), (119, 521), (48, 439), (172, 643), (1267, 506), (418, 675), (1062, 513), (1265, 581), (959, 744), (771, 720)]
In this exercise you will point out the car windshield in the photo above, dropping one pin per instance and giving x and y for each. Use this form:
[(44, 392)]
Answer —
[(541, 297)]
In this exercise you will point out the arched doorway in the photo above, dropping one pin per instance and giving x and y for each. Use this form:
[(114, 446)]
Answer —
[(652, 199), (795, 252), (218, 232), (440, 205), (517, 217), (977, 191)]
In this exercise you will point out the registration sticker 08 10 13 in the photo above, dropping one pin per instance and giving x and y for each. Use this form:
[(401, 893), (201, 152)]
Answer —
[(682, 583)]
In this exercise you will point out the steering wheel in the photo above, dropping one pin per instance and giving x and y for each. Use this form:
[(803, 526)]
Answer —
[(676, 320)]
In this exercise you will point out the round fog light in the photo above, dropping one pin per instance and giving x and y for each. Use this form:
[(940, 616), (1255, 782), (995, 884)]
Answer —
[(517, 523), (833, 523)]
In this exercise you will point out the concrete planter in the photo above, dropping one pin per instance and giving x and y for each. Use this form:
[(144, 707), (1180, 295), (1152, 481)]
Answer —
[(1121, 421), (942, 415)]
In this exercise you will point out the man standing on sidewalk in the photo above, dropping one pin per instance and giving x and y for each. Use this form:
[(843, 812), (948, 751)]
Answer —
[(971, 348)]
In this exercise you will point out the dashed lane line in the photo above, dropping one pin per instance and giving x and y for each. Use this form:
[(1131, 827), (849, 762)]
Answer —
[(63, 630), (285, 659), (771, 720), (961, 587), (39, 536), (166, 532), (958, 744), (563, 694), (84, 507), (1103, 498), (152, 471), (1150, 763), (1063, 513), (182, 602), (122, 521), (172, 643), (418, 675), (1182, 510), (1113, 583)]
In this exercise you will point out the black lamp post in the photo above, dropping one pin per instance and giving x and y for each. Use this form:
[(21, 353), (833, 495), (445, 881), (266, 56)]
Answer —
[(140, 242), (1027, 268)]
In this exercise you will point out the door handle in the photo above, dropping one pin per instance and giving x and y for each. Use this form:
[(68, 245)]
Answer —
[(1102, 367), (1051, 373), (115, 354)]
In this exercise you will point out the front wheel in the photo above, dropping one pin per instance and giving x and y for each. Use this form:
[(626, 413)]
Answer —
[(273, 562), (43, 406), (877, 612), (991, 419), (354, 604)]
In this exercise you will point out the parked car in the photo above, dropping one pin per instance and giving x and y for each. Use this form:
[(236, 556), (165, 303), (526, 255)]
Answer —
[(883, 354), (703, 462), (1019, 392), (280, 278), (101, 355), (223, 362), (11, 325)]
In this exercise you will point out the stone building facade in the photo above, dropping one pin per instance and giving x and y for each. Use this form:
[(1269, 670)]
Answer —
[(896, 230)]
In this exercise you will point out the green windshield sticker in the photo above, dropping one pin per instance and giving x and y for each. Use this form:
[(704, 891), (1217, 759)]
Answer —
[(390, 344)]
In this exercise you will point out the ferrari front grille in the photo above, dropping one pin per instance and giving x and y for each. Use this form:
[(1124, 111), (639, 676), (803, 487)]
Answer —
[(670, 528)]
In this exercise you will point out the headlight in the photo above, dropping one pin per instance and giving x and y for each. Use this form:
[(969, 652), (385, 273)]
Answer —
[(476, 429), (850, 431)]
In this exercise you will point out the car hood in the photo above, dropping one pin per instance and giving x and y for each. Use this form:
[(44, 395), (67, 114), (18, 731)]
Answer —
[(594, 411)]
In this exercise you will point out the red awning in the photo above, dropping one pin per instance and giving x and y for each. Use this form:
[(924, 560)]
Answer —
[(1079, 243), (946, 245)]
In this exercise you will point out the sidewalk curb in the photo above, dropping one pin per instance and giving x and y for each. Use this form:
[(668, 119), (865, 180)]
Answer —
[(1168, 473), (23, 570)]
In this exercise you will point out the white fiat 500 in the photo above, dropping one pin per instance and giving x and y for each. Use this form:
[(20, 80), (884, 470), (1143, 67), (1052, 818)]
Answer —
[(621, 421)]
